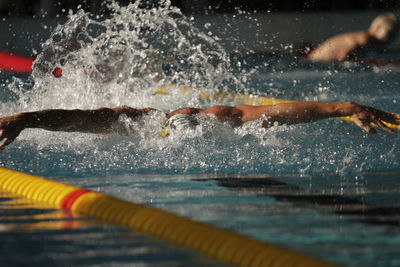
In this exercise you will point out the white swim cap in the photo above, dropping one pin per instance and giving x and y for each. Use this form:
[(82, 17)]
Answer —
[(384, 25), (179, 122)]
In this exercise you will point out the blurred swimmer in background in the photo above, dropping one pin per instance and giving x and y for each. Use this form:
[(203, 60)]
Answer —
[(352, 46)]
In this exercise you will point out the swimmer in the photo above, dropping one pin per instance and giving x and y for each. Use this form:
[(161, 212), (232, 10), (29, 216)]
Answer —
[(104, 120), (352, 45)]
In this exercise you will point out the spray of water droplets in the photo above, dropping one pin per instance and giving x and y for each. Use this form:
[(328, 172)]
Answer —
[(119, 60)]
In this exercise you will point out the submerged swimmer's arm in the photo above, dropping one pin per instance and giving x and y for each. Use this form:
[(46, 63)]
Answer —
[(88, 121), (300, 112)]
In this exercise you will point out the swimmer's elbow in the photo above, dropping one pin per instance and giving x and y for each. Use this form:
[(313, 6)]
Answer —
[(186, 111)]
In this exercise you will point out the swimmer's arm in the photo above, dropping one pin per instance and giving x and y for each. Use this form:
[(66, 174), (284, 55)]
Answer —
[(339, 47), (88, 121), (300, 112)]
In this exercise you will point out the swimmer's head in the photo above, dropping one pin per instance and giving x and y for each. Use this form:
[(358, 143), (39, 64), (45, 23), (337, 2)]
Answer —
[(384, 27), (179, 122)]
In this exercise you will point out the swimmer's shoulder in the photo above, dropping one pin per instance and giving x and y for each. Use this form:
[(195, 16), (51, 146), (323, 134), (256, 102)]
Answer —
[(362, 38)]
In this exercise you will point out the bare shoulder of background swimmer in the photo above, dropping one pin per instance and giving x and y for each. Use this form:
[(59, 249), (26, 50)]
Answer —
[(338, 48), (382, 31), (89, 121)]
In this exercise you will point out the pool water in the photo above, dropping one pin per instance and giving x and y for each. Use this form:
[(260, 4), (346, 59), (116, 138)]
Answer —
[(326, 188), (347, 219), (33, 234)]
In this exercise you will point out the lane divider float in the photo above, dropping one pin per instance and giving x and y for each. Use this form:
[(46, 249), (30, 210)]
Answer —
[(20, 64), (220, 244), (15, 63)]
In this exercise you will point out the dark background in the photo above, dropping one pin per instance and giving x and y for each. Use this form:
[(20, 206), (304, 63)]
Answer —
[(26, 24), (52, 8)]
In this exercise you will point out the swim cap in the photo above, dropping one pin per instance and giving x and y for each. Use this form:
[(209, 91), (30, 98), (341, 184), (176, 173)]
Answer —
[(384, 25), (179, 122)]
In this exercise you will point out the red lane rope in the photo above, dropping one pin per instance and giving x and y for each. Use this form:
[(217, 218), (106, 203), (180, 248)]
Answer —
[(11, 62), (381, 62), (15, 63)]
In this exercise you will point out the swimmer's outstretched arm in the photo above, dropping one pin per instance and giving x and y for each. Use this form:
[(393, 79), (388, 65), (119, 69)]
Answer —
[(300, 112), (89, 121)]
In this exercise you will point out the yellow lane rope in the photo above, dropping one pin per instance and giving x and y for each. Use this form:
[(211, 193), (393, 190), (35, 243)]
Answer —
[(247, 99), (220, 244)]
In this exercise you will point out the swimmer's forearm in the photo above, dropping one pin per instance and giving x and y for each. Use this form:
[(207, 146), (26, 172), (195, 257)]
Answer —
[(363, 116), (323, 110), (90, 121), (299, 112)]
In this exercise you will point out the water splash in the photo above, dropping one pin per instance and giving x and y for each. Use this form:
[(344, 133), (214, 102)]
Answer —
[(120, 59)]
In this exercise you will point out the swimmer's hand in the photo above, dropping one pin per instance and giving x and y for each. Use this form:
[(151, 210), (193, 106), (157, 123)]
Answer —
[(10, 128), (364, 117)]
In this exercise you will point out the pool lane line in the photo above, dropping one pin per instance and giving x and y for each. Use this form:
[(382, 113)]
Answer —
[(247, 99), (14, 63), (220, 244), (351, 208)]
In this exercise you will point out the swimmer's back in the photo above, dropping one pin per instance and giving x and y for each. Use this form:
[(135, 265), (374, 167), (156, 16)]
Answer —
[(338, 48)]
